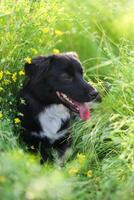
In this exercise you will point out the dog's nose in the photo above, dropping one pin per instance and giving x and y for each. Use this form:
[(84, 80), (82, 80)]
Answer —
[(95, 95)]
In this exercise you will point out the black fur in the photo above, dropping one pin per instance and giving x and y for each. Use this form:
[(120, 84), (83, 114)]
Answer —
[(45, 76)]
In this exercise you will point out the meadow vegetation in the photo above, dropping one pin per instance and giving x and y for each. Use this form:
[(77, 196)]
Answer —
[(101, 163)]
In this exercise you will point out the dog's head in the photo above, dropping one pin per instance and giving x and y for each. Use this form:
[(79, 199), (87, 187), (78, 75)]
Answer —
[(59, 79)]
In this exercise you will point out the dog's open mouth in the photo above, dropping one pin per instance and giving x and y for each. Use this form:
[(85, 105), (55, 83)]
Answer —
[(81, 108)]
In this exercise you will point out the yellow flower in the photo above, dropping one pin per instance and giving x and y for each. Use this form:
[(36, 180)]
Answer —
[(34, 50), (17, 121), (1, 75), (7, 82), (89, 173), (81, 157), (28, 60), (73, 171), (8, 72), (2, 179), (45, 30), (14, 77), (58, 33), (1, 89), (21, 73), (56, 51), (1, 115)]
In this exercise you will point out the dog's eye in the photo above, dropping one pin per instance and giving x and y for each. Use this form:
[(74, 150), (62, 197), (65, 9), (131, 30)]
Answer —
[(66, 77)]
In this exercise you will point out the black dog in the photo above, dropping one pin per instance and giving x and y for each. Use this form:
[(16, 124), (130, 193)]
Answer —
[(55, 89)]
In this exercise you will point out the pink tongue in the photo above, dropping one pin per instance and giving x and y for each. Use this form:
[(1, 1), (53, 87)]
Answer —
[(84, 111)]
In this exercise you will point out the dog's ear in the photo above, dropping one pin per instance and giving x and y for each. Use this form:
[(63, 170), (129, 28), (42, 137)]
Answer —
[(37, 66), (72, 54)]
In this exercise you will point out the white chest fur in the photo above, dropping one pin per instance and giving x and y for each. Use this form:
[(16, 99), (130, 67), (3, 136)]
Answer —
[(51, 119)]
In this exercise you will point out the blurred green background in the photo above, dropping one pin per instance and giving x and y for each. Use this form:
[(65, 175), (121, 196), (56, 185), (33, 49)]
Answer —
[(101, 162)]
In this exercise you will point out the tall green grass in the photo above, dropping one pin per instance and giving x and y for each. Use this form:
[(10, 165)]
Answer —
[(101, 162)]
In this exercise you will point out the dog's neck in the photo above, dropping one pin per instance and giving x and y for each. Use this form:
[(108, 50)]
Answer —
[(51, 119)]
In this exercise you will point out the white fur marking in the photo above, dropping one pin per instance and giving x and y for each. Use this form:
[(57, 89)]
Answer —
[(51, 119)]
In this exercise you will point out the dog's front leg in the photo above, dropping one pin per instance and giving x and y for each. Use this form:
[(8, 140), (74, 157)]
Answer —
[(45, 151), (63, 148)]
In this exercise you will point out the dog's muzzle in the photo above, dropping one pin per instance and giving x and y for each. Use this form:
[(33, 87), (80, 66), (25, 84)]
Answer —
[(78, 107)]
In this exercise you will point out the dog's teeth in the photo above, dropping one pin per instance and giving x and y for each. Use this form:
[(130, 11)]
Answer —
[(64, 96), (77, 108), (67, 99), (58, 93)]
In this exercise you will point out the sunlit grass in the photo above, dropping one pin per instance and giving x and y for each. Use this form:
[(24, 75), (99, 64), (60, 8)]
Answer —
[(101, 163)]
